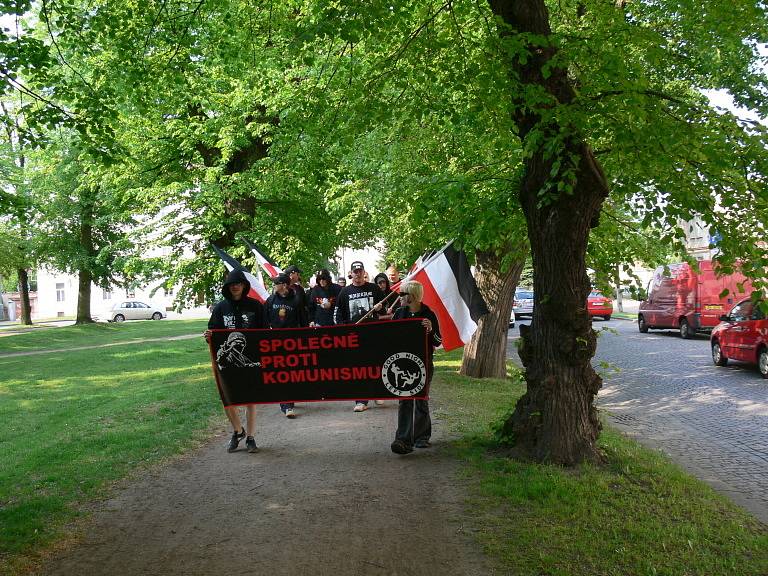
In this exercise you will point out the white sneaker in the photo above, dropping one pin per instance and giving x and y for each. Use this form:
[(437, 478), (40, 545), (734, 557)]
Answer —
[(379, 402), (360, 407), (289, 413)]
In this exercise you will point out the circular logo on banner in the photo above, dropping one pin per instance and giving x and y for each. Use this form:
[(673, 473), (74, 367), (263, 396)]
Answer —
[(404, 374)]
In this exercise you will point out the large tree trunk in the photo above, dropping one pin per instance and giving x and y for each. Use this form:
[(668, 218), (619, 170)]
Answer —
[(562, 191), (486, 354), (26, 307)]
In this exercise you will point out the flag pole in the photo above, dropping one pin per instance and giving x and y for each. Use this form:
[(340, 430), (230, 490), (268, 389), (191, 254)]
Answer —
[(371, 311), (427, 262)]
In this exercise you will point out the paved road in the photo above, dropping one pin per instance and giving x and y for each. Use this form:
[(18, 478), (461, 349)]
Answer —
[(712, 421)]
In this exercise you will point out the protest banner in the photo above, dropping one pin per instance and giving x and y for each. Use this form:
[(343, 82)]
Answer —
[(373, 361)]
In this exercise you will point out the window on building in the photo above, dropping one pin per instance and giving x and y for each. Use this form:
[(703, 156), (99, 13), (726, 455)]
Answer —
[(106, 295), (60, 292), (130, 293)]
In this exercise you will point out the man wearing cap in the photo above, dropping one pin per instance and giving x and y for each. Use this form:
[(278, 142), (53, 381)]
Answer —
[(354, 302), (284, 309)]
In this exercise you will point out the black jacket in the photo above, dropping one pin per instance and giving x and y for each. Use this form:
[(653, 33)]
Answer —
[(425, 312), (286, 312), (317, 296), (243, 313)]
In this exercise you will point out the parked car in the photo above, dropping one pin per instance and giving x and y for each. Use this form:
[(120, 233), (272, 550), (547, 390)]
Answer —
[(522, 305), (134, 310), (680, 297), (599, 305), (742, 335)]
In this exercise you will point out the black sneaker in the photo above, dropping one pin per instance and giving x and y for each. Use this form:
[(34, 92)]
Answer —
[(422, 444), (235, 440), (250, 443), (400, 447)]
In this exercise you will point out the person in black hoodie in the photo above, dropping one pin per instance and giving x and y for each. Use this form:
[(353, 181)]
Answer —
[(391, 302), (322, 300), (414, 425), (285, 309), (237, 310)]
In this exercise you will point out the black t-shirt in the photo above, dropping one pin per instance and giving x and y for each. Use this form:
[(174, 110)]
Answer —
[(354, 302)]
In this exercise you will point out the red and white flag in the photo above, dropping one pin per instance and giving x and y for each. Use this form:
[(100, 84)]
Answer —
[(264, 261), (258, 291), (451, 292)]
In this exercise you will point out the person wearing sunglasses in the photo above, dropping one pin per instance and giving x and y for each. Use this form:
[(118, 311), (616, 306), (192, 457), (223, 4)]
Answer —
[(414, 424)]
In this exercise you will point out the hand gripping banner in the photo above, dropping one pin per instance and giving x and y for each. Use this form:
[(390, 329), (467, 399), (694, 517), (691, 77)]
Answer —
[(376, 360)]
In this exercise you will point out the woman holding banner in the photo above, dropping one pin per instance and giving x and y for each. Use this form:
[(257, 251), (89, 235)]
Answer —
[(414, 425)]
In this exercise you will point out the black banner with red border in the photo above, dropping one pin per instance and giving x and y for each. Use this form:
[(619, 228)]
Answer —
[(370, 361)]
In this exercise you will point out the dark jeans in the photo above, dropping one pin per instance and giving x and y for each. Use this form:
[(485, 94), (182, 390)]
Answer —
[(413, 421), (285, 407)]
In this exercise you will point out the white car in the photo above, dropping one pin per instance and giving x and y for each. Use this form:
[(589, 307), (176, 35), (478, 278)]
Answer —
[(134, 310), (523, 302)]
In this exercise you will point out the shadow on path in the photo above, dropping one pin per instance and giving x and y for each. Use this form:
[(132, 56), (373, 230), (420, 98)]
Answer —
[(323, 496)]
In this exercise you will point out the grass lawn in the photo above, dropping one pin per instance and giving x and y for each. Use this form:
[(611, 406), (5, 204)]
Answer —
[(99, 333), (74, 422), (638, 514)]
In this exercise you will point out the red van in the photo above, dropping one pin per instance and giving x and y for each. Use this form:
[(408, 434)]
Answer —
[(688, 300), (743, 335)]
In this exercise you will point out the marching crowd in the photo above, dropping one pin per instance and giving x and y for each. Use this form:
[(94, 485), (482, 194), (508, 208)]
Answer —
[(327, 304)]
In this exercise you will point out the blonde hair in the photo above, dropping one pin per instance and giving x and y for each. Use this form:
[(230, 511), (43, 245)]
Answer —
[(413, 288)]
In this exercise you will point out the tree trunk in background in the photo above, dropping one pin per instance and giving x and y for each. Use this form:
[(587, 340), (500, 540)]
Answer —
[(562, 191), (618, 295), (485, 356), (85, 276), (84, 279), (26, 307)]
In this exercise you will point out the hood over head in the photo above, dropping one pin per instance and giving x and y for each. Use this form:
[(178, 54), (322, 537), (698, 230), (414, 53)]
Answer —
[(235, 276), (323, 274), (381, 276)]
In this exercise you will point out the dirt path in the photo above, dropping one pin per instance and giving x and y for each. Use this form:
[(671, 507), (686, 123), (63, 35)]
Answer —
[(324, 496)]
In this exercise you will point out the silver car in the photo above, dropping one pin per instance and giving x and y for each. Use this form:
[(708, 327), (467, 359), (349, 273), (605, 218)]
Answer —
[(134, 310), (523, 303)]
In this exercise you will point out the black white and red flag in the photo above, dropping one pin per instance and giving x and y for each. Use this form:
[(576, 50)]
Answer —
[(264, 261), (451, 292), (258, 291)]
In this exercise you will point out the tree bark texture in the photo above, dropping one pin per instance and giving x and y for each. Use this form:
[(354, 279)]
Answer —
[(26, 307), (84, 279), (85, 276), (485, 356), (556, 420)]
